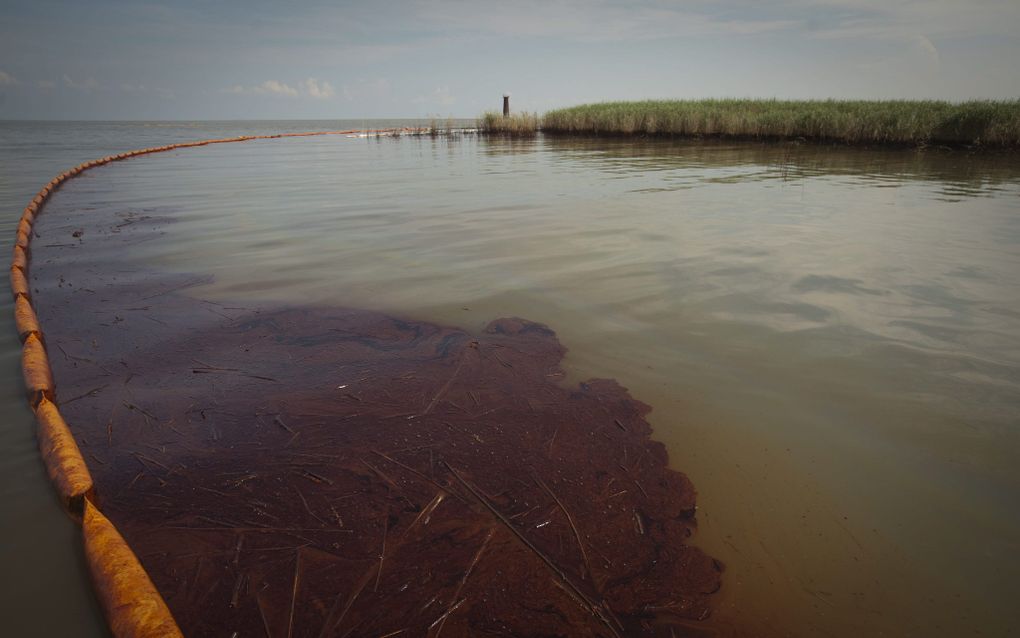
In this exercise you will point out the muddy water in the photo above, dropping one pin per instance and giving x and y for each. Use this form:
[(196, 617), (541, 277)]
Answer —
[(828, 337)]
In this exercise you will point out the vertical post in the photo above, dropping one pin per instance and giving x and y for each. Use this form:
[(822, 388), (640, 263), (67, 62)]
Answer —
[(506, 105)]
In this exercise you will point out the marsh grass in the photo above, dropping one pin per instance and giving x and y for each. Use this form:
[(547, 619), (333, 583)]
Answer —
[(516, 125), (988, 123), (438, 127)]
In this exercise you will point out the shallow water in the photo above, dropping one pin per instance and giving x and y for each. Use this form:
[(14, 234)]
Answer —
[(828, 336), (41, 547)]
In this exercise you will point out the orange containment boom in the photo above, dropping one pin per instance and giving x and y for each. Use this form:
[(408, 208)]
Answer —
[(24, 318), (36, 369), (64, 462), (19, 283), (133, 607)]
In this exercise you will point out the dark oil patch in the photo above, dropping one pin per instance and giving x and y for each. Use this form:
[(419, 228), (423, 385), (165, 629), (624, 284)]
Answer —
[(320, 471)]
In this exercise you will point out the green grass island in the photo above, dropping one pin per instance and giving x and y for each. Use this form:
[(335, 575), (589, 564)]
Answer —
[(978, 123)]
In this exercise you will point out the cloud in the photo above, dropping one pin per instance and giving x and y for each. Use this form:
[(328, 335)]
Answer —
[(46, 84), (6, 79), (272, 87), (269, 87), (86, 85), (311, 87), (928, 49)]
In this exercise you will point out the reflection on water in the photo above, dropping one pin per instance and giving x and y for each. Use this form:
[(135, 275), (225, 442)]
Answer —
[(954, 173), (828, 336)]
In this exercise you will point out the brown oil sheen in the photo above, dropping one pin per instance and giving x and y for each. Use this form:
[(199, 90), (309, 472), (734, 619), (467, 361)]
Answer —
[(318, 471)]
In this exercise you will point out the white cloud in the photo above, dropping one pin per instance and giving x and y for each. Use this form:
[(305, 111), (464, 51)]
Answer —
[(85, 85), (269, 87), (928, 49), (6, 79), (311, 87), (317, 89), (272, 87)]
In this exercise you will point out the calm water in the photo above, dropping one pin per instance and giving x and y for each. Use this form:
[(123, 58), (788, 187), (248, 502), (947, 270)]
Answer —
[(830, 338)]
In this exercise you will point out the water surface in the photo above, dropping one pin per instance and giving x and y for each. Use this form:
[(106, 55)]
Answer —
[(828, 336)]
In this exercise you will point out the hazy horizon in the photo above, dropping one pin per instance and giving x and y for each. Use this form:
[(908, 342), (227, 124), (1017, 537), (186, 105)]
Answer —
[(193, 60)]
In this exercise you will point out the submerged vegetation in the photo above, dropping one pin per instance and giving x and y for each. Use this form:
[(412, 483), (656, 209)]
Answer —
[(437, 128), (988, 123), (516, 125)]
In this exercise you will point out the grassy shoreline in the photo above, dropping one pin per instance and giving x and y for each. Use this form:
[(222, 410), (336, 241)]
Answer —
[(890, 122), (517, 125)]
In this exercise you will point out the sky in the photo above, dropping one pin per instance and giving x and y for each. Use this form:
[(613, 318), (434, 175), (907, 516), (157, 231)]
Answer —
[(291, 59)]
